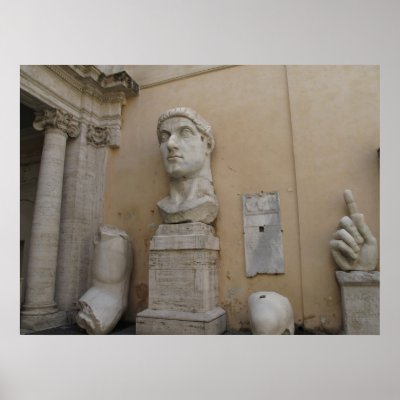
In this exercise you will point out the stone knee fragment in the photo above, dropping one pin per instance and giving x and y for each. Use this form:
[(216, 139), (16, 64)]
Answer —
[(103, 304), (270, 314)]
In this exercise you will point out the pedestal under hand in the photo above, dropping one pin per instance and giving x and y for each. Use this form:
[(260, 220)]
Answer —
[(360, 302), (355, 251)]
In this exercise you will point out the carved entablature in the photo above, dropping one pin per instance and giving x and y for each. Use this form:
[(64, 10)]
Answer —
[(103, 136), (56, 119), (97, 136)]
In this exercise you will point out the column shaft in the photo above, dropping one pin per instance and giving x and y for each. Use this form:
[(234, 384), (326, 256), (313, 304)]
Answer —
[(39, 296), (40, 310)]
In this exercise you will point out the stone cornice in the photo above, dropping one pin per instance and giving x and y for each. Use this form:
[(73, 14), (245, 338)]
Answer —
[(90, 94), (160, 77), (119, 81), (54, 100), (39, 96), (88, 79), (56, 119)]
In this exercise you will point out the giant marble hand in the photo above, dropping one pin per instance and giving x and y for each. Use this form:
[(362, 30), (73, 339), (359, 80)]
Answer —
[(353, 246)]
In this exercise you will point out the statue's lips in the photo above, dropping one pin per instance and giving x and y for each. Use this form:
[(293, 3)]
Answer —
[(175, 157)]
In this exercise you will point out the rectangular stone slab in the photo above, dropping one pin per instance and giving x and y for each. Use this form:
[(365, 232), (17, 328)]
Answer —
[(262, 234), (183, 289), (161, 322)]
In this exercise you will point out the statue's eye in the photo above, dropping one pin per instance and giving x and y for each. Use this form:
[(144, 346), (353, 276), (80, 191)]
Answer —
[(164, 136), (186, 132)]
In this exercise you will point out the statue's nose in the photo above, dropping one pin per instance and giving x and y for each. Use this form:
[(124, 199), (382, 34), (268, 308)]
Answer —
[(172, 142)]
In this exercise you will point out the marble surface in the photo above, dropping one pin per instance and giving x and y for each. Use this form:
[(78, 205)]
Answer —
[(103, 304), (186, 143), (263, 243), (360, 302), (270, 313), (183, 282), (353, 246)]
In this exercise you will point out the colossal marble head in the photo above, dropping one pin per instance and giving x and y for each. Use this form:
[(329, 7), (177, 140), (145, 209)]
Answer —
[(186, 143)]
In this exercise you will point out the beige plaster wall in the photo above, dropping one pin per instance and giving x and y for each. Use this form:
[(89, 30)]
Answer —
[(150, 75), (335, 120), (266, 140)]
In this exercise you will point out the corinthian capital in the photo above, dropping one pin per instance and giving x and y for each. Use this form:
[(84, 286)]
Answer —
[(56, 119)]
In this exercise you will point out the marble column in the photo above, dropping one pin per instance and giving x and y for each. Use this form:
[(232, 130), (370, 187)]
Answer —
[(83, 188), (40, 310)]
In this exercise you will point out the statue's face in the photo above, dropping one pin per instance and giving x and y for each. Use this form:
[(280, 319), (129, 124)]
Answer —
[(183, 148)]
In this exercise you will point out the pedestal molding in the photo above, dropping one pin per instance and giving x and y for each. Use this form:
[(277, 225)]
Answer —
[(358, 278), (207, 316)]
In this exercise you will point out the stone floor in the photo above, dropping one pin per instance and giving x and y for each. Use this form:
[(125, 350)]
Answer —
[(128, 328), (123, 328)]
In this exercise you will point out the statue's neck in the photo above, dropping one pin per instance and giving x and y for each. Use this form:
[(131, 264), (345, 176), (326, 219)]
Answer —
[(191, 198), (189, 189)]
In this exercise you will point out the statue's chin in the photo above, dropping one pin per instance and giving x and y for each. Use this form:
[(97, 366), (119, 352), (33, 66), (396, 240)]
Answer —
[(182, 173)]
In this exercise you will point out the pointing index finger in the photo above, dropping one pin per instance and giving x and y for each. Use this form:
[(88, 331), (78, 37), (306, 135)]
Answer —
[(351, 204)]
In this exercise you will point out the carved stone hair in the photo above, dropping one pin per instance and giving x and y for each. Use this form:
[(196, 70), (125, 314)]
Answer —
[(201, 124)]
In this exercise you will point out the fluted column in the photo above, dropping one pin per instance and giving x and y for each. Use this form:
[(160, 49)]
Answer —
[(40, 310)]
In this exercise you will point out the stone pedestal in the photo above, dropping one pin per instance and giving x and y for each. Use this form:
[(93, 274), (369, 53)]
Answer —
[(183, 282), (360, 302)]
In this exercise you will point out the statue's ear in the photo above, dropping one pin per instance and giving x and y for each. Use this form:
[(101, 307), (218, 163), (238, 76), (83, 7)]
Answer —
[(209, 145)]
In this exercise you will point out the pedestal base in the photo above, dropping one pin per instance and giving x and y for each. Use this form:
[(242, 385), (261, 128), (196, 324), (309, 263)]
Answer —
[(162, 322), (183, 283), (360, 302), (44, 321)]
